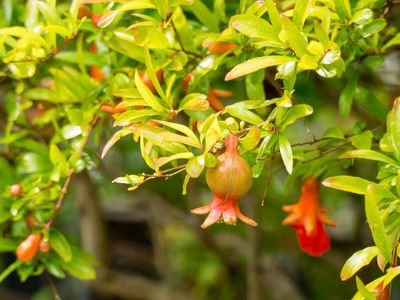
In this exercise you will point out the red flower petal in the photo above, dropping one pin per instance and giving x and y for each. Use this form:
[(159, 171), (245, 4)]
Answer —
[(315, 244)]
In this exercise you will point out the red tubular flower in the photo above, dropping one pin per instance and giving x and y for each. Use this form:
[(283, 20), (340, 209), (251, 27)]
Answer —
[(229, 180), (96, 73), (218, 47), (213, 98), (307, 218)]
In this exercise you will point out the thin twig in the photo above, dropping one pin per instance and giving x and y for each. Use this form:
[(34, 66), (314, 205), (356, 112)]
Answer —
[(326, 152), (187, 52), (163, 174), (177, 36), (53, 288), (278, 87), (393, 265), (69, 176), (268, 181)]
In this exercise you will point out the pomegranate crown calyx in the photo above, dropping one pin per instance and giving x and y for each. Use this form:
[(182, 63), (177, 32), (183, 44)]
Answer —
[(231, 144)]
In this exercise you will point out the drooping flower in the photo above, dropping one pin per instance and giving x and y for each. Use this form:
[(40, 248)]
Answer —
[(308, 219), (229, 180)]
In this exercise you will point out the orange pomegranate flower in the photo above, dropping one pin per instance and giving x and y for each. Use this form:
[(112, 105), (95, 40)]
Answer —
[(112, 109), (218, 47), (213, 98), (308, 219), (96, 73)]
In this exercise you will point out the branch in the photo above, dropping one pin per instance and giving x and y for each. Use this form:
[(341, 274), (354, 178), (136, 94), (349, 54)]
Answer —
[(178, 38), (69, 176), (278, 87)]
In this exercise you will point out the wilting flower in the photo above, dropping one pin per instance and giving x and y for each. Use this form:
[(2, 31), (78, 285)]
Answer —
[(308, 219), (221, 210)]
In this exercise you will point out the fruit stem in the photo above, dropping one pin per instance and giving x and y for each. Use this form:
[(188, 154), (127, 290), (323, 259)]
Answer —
[(231, 144)]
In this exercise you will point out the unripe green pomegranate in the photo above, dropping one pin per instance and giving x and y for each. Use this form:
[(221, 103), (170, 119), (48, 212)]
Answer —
[(229, 180), (231, 177)]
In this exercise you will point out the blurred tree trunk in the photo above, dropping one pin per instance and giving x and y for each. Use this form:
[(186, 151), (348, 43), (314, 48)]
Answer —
[(93, 229)]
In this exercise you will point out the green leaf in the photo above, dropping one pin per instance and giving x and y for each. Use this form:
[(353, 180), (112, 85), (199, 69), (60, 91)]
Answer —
[(33, 163), (52, 264), (362, 16), (130, 116), (384, 280), (183, 30), (266, 145), (204, 15), (375, 223), (164, 160), (286, 153), (194, 101), (116, 137), (333, 132), (371, 155), (22, 69), (162, 6), (254, 83), (373, 27), (358, 260), (184, 129), (371, 103), (8, 245), (347, 94), (129, 179), (236, 110), (195, 166), (79, 267), (393, 127), (56, 156), (343, 8), (296, 112), (60, 245), (355, 185), (151, 72), (256, 28), (295, 38), (11, 268), (251, 139), (392, 42), (107, 18), (274, 15), (363, 291), (301, 11), (363, 140), (374, 61), (256, 64), (148, 96), (145, 151)]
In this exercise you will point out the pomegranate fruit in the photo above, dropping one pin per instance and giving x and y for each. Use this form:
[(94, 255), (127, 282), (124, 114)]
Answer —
[(28, 248), (229, 180), (16, 190), (44, 246)]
